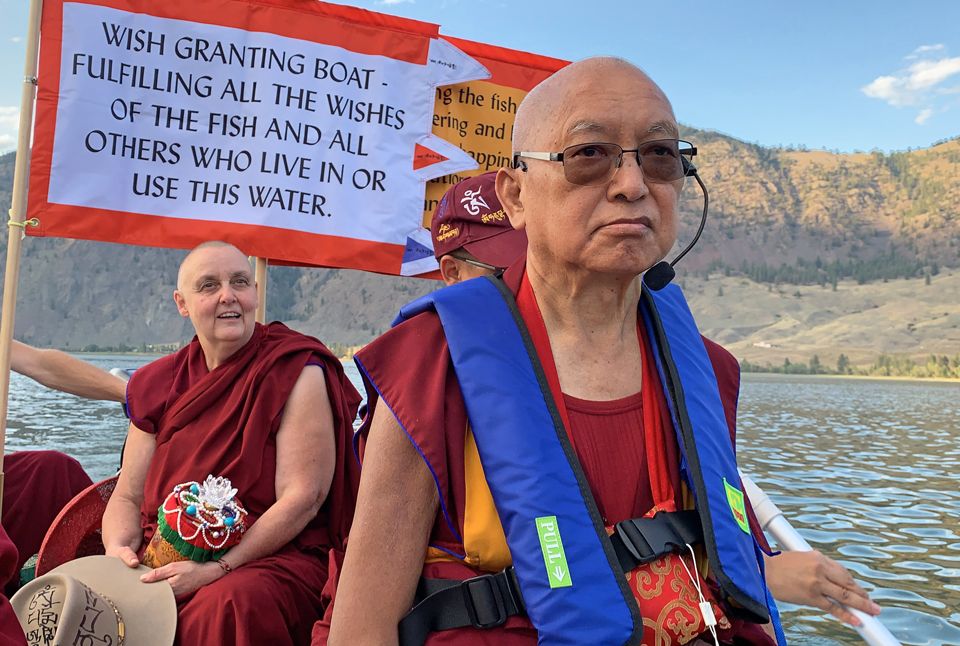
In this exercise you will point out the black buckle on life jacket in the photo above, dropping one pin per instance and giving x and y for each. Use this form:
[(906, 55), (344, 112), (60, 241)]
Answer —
[(488, 600), (641, 540), (484, 601), (482, 591)]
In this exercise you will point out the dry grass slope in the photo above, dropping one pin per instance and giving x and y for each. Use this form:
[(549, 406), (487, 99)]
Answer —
[(767, 324)]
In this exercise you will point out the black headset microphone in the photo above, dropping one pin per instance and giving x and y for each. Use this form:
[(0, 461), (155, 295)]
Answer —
[(660, 275)]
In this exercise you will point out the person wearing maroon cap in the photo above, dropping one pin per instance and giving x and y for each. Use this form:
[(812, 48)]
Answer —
[(471, 233)]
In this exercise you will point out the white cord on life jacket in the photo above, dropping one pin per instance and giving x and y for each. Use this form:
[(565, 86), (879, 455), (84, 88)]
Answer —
[(709, 618)]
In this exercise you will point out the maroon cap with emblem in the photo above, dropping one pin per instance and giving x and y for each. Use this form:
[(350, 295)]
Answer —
[(470, 217)]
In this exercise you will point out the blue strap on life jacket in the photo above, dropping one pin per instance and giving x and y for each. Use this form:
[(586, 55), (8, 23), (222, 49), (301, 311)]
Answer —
[(568, 573), (708, 461), (771, 603)]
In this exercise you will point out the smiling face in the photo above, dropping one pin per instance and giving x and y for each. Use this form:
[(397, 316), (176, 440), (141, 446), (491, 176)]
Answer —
[(215, 289), (621, 227)]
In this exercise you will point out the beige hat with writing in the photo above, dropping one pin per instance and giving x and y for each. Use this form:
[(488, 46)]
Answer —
[(96, 600)]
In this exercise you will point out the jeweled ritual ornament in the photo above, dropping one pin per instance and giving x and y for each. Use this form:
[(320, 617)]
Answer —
[(197, 522)]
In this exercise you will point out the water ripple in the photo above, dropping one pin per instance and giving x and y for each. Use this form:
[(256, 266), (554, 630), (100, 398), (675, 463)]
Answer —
[(869, 473)]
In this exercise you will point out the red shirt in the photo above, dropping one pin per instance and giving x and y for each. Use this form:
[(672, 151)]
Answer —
[(610, 449)]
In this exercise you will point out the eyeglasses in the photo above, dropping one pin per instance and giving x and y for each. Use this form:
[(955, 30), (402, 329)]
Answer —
[(476, 263), (662, 161)]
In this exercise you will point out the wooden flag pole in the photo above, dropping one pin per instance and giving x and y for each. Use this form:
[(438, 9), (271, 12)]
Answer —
[(260, 275), (18, 210)]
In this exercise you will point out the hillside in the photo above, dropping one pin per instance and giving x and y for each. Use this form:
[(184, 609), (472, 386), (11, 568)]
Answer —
[(765, 324), (771, 206), (770, 209)]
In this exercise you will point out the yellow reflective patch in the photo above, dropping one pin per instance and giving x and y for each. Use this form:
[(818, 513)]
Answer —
[(483, 538)]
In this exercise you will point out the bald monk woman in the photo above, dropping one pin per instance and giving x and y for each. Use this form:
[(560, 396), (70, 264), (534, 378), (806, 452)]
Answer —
[(271, 410)]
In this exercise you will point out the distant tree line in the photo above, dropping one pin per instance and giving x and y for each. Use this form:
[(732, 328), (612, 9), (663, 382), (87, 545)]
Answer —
[(338, 349), (817, 272), (886, 365), (343, 351), (145, 348)]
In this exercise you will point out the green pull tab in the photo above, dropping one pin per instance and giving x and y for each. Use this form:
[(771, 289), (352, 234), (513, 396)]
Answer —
[(737, 506), (553, 557)]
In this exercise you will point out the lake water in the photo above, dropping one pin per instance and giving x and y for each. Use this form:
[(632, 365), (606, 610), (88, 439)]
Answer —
[(868, 471)]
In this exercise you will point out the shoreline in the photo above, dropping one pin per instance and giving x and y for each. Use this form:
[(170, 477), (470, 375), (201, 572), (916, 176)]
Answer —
[(947, 380), (348, 356), (157, 355)]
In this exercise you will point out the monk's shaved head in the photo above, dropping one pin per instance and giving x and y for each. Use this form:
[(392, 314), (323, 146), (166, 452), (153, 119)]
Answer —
[(535, 123), (216, 290), (187, 264)]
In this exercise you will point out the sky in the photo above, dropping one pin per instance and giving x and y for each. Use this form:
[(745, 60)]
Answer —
[(847, 75)]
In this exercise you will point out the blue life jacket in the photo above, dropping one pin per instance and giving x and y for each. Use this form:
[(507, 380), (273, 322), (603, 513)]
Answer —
[(572, 585)]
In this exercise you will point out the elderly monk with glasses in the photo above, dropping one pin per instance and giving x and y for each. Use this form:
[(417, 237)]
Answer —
[(549, 455), (470, 240)]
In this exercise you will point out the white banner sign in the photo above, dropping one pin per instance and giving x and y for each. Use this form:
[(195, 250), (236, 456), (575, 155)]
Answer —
[(167, 117)]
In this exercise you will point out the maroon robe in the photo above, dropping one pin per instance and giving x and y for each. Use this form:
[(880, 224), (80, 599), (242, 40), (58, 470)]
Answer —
[(11, 634), (409, 368), (37, 484), (224, 422)]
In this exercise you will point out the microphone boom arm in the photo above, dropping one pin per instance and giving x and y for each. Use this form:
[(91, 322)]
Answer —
[(703, 218)]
